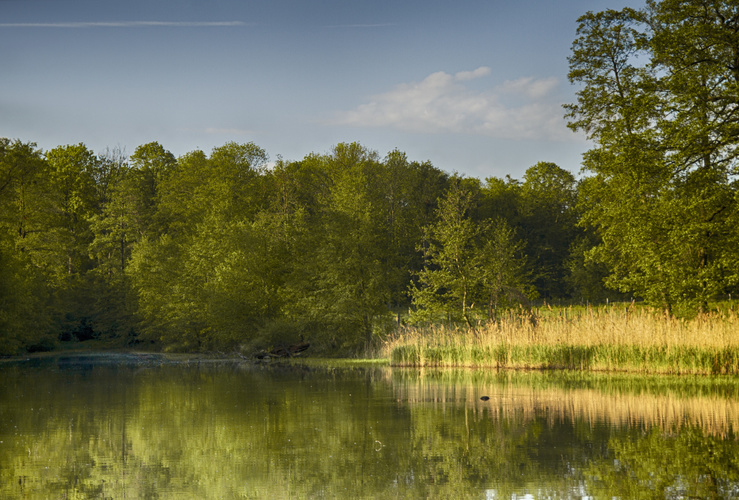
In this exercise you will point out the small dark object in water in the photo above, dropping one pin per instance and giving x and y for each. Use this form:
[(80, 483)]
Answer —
[(485, 398)]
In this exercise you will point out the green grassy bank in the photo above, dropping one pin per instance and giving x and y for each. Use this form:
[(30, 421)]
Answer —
[(614, 338)]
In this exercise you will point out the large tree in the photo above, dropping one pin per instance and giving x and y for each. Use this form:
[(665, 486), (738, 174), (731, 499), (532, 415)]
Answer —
[(198, 269), (71, 171), (25, 316), (659, 97), (343, 281)]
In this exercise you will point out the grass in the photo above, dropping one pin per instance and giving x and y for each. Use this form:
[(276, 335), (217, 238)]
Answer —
[(611, 338)]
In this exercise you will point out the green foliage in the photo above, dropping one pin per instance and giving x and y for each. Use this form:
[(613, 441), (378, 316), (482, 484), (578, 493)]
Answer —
[(340, 282), (206, 282), (224, 251), (67, 235), (549, 225), (467, 262), (25, 318), (586, 276), (658, 97), (220, 252)]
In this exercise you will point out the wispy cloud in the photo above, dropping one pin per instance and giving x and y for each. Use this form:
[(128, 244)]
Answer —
[(525, 108), (126, 24)]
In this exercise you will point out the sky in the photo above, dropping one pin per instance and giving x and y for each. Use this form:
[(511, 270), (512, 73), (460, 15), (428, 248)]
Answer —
[(473, 86)]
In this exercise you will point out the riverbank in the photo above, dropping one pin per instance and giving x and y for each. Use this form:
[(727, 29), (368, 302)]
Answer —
[(615, 338), (610, 338), (96, 352)]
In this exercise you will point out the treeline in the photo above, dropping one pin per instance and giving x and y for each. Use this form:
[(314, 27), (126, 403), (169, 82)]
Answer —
[(226, 251), (220, 252)]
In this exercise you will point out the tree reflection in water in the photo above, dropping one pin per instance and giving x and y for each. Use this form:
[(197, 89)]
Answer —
[(103, 430)]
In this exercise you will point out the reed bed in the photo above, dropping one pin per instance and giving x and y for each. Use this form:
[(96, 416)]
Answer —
[(611, 338)]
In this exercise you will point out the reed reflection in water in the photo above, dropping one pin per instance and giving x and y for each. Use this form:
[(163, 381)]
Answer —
[(130, 430)]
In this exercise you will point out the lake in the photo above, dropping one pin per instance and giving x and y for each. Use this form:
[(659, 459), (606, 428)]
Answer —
[(143, 427)]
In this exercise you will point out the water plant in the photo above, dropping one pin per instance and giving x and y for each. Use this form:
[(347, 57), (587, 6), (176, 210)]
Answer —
[(609, 338)]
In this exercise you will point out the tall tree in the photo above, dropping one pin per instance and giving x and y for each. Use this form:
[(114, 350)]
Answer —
[(115, 233), (151, 165), (74, 195), (25, 315), (112, 224), (410, 191), (193, 273), (23, 186), (659, 99), (72, 180), (346, 287)]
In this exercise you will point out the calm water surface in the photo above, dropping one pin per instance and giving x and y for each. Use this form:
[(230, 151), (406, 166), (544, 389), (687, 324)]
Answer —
[(92, 427)]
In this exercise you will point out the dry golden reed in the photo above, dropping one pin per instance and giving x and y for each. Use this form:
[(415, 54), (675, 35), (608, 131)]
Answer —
[(607, 338)]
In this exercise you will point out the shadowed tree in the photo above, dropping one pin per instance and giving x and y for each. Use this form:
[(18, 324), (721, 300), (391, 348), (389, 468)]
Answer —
[(548, 221)]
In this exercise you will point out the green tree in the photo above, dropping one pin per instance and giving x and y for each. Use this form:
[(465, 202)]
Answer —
[(408, 192), (345, 287), (25, 315), (67, 236), (196, 275), (72, 182), (114, 236), (141, 186), (181, 201), (129, 190), (467, 262), (501, 198), (23, 200), (348, 226), (112, 225), (658, 98), (549, 225)]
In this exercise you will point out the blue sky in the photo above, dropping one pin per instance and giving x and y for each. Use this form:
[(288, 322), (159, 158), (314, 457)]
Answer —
[(473, 86)]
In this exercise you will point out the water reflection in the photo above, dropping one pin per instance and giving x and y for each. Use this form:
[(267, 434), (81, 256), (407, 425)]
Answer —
[(142, 430)]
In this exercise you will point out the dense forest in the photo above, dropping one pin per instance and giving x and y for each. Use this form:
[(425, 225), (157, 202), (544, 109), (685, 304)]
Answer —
[(229, 251)]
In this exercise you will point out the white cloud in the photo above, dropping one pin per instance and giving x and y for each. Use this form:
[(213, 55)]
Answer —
[(529, 87), (525, 108), (471, 75)]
